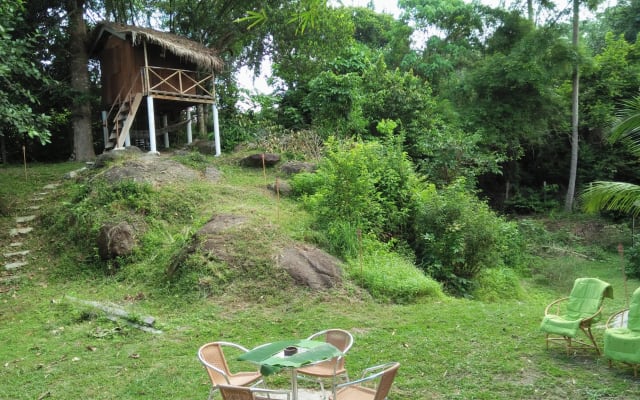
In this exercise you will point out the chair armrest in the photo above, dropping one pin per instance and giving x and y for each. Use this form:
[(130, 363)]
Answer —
[(555, 303), (614, 316), (235, 345), (368, 375)]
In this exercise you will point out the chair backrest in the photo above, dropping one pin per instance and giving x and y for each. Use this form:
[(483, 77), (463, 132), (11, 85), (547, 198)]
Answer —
[(340, 338), (633, 322), (586, 297), (236, 392), (386, 380), (211, 355)]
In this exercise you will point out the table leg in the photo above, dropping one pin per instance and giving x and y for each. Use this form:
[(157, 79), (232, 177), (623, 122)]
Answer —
[(294, 384)]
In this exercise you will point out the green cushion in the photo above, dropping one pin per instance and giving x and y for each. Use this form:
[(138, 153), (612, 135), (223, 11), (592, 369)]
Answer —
[(623, 344), (584, 301)]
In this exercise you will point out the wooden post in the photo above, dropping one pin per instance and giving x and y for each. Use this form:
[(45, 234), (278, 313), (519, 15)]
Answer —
[(165, 124), (105, 128), (152, 125)]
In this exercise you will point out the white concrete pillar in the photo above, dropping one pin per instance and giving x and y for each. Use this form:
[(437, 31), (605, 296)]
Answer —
[(189, 132), (152, 125), (216, 130)]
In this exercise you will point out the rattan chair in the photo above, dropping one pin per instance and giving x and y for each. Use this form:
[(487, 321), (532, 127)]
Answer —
[(565, 317), (622, 335), (374, 384), (251, 393), (211, 355), (333, 368)]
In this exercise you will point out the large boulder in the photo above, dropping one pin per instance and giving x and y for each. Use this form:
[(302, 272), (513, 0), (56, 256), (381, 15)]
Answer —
[(115, 240), (260, 159), (310, 266)]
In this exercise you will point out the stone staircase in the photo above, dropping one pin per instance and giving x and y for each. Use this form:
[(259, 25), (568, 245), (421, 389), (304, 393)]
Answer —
[(15, 254)]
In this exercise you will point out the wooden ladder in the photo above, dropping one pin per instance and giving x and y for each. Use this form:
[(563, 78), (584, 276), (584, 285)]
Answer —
[(122, 121)]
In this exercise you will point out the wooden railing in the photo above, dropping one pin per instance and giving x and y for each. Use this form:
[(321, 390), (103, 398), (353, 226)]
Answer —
[(177, 83)]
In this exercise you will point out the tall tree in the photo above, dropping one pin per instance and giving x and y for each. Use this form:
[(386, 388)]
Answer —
[(575, 90), (80, 109)]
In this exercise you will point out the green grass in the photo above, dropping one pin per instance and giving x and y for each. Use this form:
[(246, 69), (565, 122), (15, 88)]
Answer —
[(448, 348)]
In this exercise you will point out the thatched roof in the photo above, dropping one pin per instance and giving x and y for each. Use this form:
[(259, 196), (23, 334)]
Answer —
[(182, 47)]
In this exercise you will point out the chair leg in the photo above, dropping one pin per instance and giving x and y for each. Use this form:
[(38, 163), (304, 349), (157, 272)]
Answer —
[(593, 340)]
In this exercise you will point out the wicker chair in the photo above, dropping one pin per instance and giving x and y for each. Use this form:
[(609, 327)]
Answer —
[(374, 384), (251, 393), (333, 368), (622, 335), (211, 355), (565, 317)]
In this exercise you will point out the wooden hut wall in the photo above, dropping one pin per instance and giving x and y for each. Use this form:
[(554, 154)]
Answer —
[(121, 64)]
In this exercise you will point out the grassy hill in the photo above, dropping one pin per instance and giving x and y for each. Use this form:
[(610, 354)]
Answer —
[(449, 348)]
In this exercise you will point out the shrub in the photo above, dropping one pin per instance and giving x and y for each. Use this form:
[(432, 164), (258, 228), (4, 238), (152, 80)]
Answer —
[(364, 187), (457, 236), (495, 284)]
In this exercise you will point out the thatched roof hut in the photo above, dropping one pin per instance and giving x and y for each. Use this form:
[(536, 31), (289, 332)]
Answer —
[(172, 72)]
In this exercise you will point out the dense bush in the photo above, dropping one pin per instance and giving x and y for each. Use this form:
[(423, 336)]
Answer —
[(457, 236), (364, 187)]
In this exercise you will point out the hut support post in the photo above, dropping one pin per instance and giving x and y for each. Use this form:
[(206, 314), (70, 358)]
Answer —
[(152, 125), (189, 133), (165, 124), (105, 129), (216, 129)]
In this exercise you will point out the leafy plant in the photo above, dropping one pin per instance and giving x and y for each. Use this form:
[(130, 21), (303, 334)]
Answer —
[(457, 236)]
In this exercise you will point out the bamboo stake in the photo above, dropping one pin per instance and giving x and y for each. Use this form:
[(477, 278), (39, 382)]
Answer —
[(277, 199), (264, 170), (624, 273), (24, 158)]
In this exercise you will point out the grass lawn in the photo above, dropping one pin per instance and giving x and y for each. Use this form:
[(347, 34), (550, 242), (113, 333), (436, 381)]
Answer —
[(454, 348)]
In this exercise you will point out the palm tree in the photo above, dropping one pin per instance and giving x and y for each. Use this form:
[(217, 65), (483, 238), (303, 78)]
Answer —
[(619, 196)]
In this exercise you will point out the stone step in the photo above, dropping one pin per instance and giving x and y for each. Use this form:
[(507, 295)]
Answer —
[(27, 218), (34, 207), (10, 278), (20, 231), (51, 186), (15, 244), (15, 265), (17, 253)]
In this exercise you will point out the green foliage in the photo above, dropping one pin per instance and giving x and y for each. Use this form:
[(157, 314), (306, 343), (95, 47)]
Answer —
[(457, 236), (17, 73), (632, 268), (367, 186), (388, 276)]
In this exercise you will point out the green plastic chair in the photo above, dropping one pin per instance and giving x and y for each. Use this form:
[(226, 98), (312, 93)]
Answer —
[(622, 343), (566, 317)]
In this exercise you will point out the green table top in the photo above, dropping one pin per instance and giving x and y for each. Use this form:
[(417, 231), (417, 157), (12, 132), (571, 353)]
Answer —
[(271, 356)]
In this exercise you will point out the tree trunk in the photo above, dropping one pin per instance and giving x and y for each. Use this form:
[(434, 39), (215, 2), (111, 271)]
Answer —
[(80, 109), (3, 149), (571, 189), (530, 10)]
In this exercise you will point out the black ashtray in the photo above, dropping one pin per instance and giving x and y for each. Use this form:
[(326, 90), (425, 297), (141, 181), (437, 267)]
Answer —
[(291, 350)]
